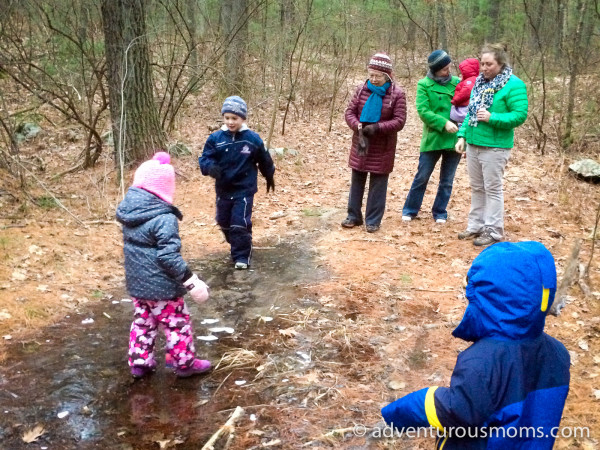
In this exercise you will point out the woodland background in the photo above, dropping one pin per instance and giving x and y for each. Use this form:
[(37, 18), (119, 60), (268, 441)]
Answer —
[(145, 60)]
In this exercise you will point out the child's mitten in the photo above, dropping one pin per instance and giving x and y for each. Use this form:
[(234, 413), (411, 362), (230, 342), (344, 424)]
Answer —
[(270, 184), (197, 288), (215, 171)]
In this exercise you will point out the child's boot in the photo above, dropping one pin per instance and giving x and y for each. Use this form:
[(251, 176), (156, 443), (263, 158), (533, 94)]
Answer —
[(141, 371), (198, 366)]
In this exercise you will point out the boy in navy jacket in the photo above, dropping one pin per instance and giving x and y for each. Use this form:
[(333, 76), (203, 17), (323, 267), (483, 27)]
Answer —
[(508, 389), (232, 156)]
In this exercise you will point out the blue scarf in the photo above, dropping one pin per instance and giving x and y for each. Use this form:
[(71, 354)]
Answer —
[(483, 92), (371, 112)]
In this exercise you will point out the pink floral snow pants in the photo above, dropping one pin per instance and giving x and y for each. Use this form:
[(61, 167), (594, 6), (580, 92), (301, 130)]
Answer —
[(174, 318)]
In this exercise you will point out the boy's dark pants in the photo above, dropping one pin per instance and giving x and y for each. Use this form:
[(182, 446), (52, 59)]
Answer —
[(234, 216)]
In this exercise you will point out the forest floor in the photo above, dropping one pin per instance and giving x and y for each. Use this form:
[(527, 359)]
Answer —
[(329, 325)]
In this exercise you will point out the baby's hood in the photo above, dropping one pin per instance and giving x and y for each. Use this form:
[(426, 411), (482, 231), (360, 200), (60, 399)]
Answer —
[(469, 68), (511, 287), (140, 206)]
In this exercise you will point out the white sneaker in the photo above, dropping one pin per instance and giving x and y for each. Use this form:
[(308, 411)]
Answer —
[(406, 218), (241, 265), (440, 220)]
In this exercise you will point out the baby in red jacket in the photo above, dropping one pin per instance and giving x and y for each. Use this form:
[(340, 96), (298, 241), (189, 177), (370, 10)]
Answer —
[(469, 69)]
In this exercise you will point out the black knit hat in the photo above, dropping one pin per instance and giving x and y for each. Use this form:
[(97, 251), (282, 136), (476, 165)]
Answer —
[(438, 60)]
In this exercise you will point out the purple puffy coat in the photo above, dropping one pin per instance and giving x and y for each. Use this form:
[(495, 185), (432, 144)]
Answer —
[(382, 145)]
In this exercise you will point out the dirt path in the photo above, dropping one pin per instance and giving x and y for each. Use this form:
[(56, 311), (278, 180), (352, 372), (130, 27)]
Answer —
[(362, 319)]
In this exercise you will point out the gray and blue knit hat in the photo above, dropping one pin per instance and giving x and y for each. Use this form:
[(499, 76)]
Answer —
[(235, 105), (437, 60)]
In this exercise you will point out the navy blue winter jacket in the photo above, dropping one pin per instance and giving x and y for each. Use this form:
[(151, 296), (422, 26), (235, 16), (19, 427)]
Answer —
[(508, 389), (154, 268), (238, 155)]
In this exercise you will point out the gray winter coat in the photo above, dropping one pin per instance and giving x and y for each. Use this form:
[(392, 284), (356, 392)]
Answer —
[(154, 268)]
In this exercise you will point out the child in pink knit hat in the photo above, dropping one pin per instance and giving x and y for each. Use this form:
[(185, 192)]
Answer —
[(157, 276)]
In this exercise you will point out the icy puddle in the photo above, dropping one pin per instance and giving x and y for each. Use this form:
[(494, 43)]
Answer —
[(70, 387)]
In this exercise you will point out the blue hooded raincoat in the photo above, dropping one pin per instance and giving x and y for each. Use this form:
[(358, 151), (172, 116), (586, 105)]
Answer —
[(509, 388)]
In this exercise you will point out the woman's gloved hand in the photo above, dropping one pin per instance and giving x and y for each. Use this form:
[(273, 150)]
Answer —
[(371, 129)]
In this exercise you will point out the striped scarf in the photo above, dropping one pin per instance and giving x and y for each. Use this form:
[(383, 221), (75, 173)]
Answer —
[(483, 93)]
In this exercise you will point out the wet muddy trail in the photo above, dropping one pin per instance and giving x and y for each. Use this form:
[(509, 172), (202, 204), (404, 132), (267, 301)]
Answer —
[(73, 379)]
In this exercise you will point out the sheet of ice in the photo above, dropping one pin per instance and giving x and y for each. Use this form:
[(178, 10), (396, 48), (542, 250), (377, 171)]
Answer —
[(209, 321), (221, 330)]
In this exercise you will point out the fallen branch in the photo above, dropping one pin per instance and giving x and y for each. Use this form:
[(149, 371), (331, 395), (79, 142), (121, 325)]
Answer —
[(75, 168), (586, 273), (430, 290), (568, 279), (582, 283), (338, 432), (4, 227), (227, 429), (222, 383), (432, 326)]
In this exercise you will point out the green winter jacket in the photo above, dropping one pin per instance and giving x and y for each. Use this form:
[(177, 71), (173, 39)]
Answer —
[(433, 107), (509, 110)]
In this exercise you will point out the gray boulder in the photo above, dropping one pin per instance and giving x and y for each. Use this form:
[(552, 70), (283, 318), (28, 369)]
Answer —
[(586, 169)]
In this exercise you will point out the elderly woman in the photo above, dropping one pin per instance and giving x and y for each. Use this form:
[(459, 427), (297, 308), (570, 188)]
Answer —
[(498, 105), (434, 97), (376, 114)]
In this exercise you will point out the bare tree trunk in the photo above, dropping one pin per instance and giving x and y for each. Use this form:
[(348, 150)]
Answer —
[(192, 22), (559, 34), (540, 120), (494, 13), (574, 61), (416, 25), (441, 26), (135, 122), (264, 46), (235, 25), (295, 77), (84, 19)]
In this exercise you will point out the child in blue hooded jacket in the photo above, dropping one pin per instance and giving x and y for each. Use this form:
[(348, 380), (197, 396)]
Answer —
[(231, 156), (508, 389)]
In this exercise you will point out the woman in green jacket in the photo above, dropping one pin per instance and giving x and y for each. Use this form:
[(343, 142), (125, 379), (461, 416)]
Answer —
[(497, 106), (434, 94)]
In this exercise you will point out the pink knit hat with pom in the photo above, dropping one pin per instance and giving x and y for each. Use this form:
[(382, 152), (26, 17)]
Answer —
[(157, 176)]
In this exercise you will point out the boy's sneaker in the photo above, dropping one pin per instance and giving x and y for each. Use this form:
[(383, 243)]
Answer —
[(407, 218), (440, 220), (198, 366), (241, 265), (351, 223), (372, 228), (141, 371)]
